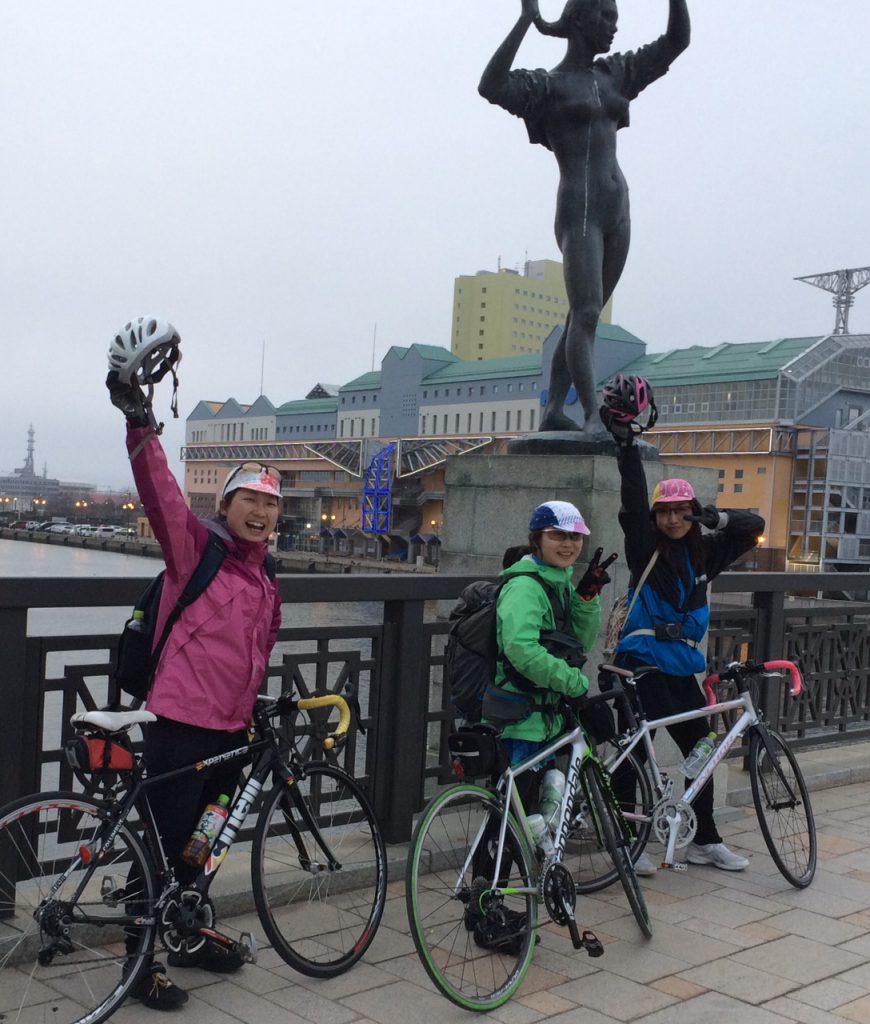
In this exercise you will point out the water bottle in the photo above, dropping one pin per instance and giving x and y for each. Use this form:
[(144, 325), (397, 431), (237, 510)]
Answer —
[(137, 622), (541, 835), (202, 839), (698, 755), (552, 789)]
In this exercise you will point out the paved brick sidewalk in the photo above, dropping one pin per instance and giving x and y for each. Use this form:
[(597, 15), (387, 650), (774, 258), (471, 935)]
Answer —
[(743, 947)]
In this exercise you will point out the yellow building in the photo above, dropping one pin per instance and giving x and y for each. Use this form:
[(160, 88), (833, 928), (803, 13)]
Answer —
[(503, 313)]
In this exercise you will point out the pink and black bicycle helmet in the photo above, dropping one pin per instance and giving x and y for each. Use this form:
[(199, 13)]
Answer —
[(627, 397)]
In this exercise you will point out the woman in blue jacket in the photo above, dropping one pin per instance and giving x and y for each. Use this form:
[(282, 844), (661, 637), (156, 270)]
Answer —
[(670, 617)]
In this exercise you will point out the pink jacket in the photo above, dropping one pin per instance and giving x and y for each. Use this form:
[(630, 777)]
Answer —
[(217, 652)]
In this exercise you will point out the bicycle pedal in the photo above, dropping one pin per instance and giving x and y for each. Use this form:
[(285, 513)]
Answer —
[(110, 892), (246, 947), (676, 866), (592, 944)]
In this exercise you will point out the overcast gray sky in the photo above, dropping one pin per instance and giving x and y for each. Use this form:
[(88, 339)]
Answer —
[(297, 172)]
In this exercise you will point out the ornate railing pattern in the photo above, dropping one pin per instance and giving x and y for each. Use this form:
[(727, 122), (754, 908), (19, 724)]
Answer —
[(394, 668)]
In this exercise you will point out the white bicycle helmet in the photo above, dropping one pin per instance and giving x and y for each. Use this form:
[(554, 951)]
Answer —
[(144, 351)]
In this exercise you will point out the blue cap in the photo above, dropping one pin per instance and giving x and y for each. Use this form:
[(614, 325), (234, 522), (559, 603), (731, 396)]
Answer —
[(558, 515)]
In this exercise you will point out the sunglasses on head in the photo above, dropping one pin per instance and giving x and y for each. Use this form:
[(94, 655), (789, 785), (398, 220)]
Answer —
[(254, 467)]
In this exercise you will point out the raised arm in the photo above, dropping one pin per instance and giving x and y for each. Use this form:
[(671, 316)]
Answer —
[(679, 30), (495, 75)]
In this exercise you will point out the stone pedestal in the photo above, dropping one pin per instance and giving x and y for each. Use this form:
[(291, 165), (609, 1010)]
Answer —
[(489, 500)]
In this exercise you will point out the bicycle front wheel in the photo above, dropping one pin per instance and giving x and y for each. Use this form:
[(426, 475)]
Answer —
[(319, 871), (475, 944), (72, 941), (782, 804), (586, 856), (616, 839)]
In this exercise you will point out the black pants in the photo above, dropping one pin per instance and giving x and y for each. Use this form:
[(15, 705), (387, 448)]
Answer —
[(483, 863), (178, 803), (662, 695)]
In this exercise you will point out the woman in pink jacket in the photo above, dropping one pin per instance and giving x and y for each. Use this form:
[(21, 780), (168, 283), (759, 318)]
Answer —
[(211, 667)]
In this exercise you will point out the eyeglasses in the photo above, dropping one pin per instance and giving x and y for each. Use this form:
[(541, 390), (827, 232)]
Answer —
[(677, 510), (254, 467), (562, 535)]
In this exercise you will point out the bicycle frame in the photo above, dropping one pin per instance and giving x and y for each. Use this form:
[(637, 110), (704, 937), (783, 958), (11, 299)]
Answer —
[(267, 762), (748, 718), (580, 750)]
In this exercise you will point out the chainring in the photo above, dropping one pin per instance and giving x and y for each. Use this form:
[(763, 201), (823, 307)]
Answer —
[(558, 892), (688, 822), (183, 913)]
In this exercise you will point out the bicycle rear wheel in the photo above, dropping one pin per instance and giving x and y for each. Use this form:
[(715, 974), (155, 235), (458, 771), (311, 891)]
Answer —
[(476, 947), (615, 838), (586, 856), (782, 804), (64, 916), (319, 871)]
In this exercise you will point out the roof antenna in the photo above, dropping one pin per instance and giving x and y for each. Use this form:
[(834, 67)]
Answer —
[(262, 365), (374, 342)]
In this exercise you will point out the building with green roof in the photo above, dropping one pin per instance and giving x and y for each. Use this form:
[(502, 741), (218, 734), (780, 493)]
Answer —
[(785, 424)]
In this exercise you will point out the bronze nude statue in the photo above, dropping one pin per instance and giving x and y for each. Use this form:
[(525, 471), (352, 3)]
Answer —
[(575, 110)]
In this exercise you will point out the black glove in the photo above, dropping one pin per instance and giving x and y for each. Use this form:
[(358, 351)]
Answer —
[(596, 576), (623, 433), (129, 399), (711, 517)]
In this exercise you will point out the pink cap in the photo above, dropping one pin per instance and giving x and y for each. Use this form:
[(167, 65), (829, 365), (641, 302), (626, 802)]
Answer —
[(253, 477), (671, 491)]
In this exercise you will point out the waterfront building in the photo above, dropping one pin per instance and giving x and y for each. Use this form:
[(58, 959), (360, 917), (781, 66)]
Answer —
[(397, 423), (785, 424), (26, 493)]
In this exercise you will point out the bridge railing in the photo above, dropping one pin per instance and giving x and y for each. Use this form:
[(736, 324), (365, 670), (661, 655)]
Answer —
[(393, 664)]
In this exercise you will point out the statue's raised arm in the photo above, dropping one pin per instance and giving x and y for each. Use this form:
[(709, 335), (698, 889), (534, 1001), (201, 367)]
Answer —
[(575, 110)]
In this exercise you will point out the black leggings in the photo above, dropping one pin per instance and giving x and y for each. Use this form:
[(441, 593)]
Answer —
[(178, 803), (663, 695)]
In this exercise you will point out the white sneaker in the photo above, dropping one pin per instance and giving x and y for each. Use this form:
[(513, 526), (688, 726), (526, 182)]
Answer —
[(718, 855), (644, 867)]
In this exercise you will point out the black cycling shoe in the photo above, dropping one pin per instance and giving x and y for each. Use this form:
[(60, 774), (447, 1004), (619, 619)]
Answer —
[(155, 990), (506, 936), (209, 957)]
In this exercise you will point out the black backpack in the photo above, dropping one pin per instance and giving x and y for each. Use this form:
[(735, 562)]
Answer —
[(472, 654), (136, 662)]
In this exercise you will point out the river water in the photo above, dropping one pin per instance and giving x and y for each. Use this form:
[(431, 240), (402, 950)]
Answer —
[(20, 559)]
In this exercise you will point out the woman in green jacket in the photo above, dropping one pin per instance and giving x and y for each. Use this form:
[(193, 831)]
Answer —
[(537, 599), (531, 678)]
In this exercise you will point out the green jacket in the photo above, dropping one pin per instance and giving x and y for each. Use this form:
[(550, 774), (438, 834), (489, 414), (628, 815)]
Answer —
[(522, 613)]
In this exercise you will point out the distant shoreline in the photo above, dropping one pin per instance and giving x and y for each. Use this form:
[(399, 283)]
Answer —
[(289, 562)]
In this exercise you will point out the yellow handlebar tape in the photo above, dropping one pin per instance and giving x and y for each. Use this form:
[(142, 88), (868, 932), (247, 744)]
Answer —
[(331, 700)]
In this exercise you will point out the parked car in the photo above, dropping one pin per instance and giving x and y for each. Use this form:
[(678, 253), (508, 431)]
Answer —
[(104, 531), (58, 528), (19, 524)]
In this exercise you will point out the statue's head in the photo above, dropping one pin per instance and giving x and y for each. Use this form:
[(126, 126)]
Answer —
[(592, 20)]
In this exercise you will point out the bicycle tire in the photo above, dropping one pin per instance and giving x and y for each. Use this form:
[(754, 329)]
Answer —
[(585, 854), (62, 956), (444, 885), (616, 840), (320, 920), (787, 824)]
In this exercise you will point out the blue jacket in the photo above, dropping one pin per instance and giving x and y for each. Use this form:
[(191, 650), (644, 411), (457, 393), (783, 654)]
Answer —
[(675, 592)]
